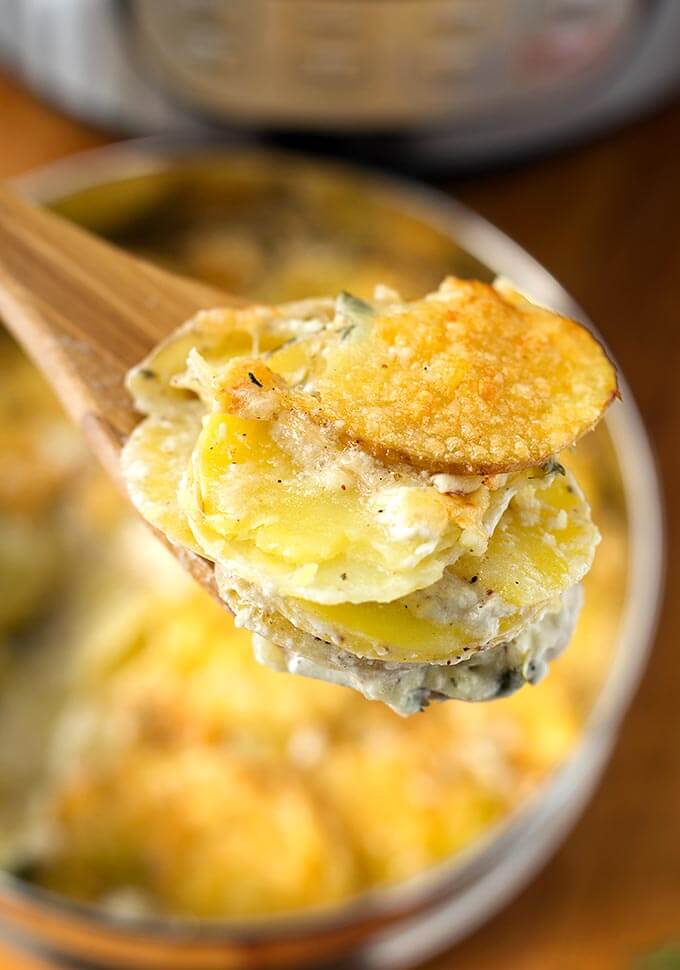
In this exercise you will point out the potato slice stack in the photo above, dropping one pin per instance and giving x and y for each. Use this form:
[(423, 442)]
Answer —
[(377, 484)]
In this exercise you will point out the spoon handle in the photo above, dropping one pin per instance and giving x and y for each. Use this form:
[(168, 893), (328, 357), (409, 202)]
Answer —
[(86, 312)]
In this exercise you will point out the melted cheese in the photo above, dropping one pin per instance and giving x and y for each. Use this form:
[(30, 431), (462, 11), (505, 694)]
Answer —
[(470, 380)]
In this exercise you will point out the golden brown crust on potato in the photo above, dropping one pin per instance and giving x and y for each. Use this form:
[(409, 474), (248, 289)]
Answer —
[(471, 380)]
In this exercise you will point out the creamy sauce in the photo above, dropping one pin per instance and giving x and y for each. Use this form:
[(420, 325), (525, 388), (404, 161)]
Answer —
[(408, 688)]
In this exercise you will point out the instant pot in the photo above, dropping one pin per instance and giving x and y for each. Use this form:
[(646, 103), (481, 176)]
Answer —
[(414, 82)]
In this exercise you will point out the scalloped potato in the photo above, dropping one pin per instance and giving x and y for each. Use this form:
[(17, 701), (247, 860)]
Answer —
[(288, 504), (138, 706), (379, 478), (472, 379), (526, 566)]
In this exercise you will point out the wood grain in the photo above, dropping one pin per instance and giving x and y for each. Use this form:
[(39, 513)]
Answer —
[(604, 219), (86, 312)]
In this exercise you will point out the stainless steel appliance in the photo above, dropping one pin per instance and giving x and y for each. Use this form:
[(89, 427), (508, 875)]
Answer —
[(460, 81)]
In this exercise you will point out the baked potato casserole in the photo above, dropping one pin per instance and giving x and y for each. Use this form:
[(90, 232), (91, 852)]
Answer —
[(148, 764)]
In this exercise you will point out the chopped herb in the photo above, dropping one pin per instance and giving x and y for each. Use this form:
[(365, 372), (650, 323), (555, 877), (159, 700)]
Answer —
[(148, 373), (254, 379), (506, 683), (343, 576), (552, 467), (354, 310), (489, 592)]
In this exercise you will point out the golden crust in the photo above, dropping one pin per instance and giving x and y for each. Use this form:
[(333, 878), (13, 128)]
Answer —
[(470, 380)]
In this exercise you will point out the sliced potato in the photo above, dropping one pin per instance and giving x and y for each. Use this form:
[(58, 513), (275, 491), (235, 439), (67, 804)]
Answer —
[(288, 504), (154, 461), (469, 380), (543, 545), (288, 521), (218, 335)]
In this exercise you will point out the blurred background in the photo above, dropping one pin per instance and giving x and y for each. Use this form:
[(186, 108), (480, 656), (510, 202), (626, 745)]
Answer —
[(165, 802)]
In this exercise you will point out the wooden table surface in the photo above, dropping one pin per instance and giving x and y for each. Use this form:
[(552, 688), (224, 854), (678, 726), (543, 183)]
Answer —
[(613, 891)]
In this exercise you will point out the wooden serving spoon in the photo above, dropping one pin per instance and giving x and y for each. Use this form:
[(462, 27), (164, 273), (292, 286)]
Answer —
[(86, 312)]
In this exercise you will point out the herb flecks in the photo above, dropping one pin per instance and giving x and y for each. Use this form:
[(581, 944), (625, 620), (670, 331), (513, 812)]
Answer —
[(354, 310), (553, 467), (254, 380), (506, 683)]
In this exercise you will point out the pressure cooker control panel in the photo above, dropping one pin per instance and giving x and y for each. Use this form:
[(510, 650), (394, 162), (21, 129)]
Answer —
[(374, 62)]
